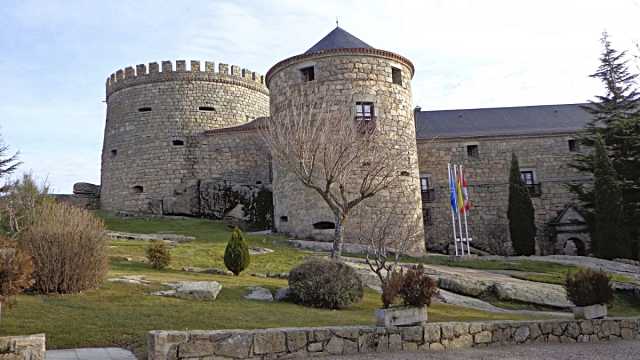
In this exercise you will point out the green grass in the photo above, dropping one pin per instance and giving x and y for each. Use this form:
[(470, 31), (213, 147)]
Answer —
[(121, 314)]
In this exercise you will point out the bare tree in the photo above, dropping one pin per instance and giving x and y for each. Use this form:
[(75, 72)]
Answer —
[(344, 159)]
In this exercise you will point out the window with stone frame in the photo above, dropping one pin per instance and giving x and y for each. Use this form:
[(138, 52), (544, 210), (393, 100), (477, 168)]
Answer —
[(365, 111), (528, 177), (396, 76), (308, 73), (426, 188), (531, 182), (473, 151), (573, 145)]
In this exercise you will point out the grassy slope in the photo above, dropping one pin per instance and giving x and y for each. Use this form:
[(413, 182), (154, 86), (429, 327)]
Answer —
[(121, 314)]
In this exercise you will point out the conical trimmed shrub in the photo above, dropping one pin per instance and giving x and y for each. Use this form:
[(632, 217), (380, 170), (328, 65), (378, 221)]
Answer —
[(236, 254)]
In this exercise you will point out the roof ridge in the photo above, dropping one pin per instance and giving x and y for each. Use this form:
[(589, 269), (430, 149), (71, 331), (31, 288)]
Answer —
[(507, 107)]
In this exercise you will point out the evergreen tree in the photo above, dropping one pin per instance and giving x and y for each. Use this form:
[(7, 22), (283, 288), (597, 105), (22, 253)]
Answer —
[(616, 119), (520, 213), (8, 163), (608, 239), (236, 254)]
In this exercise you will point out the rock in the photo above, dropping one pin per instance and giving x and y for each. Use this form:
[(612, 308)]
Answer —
[(483, 337), (130, 279), (259, 251), (282, 294), (213, 271), (172, 238), (83, 188), (259, 293), (199, 290), (269, 342), (521, 334)]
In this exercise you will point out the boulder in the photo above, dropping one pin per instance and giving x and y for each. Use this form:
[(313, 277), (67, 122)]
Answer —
[(83, 188), (199, 290), (259, 251), (282, 294), (259, 293)]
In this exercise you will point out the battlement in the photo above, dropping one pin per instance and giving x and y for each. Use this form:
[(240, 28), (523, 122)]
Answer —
[(165, 71)]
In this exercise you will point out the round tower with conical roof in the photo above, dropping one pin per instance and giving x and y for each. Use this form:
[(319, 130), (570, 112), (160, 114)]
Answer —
[(340, 68)]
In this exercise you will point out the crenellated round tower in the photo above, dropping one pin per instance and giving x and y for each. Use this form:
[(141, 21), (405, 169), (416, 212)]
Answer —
[(154, 115), (378, 83)]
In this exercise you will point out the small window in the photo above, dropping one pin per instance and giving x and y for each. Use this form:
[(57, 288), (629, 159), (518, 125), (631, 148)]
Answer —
[(573, 145), (308, 74), (207, 108), (114, 153), (472, 151), (137, 189), (404, 173), (425, 183), (324, 225), (178, 142), (144, 109), (426, 189), (396, 76), (284, 218), (528, 178), (365, 111), (426, 216)]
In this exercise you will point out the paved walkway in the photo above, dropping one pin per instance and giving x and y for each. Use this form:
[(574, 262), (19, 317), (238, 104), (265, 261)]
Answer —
[(618, 350), (90, 354)]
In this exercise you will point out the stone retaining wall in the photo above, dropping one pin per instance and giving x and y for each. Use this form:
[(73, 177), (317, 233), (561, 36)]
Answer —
[(30, 347), (310, 342)]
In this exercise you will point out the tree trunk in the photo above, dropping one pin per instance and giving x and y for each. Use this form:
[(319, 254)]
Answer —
[(336, 252)]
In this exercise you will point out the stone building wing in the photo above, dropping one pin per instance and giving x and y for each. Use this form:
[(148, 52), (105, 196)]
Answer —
[(522, 120), (338, 38)]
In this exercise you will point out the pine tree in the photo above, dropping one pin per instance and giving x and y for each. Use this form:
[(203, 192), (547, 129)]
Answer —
[(608, 239), (616, 119), (8, 163), (520, 213), (236, 254)]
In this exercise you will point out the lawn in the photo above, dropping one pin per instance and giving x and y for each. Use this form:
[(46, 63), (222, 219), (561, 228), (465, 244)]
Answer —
[(121, 314)]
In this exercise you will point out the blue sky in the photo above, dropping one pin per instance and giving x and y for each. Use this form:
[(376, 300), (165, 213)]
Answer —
[(56, 55)]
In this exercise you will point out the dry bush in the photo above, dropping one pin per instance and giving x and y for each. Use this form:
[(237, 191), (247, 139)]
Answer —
[(15, 269), (158, 254), (417, 288), (589, 287), (391, 288), (68, 247)]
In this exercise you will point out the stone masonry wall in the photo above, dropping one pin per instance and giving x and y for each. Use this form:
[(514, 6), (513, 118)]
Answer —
[(30, 347), (153, 118), (488, 175), (340, 76), (303, 343)]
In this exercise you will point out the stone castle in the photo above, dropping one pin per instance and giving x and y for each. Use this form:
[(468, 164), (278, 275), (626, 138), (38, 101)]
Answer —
[(185, 141)]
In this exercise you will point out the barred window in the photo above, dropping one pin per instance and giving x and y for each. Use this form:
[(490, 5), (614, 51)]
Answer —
[(365, 111)]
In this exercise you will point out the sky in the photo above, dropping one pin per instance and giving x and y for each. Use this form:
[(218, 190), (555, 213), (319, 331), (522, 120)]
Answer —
[(55, 56)]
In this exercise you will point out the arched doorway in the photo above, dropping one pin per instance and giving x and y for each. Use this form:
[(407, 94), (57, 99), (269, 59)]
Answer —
[(575, 246)]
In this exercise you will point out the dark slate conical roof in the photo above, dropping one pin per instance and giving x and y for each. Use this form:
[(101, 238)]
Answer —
[(338, 38)]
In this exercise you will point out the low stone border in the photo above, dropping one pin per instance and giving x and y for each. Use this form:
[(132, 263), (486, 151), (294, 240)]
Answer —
[(31, 347), (311, 342)]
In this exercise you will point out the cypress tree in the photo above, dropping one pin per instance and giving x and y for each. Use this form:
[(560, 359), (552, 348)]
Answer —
[(522, 226), (236, 254), (608, 238), (616, 120)]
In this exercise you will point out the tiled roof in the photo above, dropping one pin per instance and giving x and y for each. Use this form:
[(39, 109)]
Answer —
[(522, 120), (338, 38)]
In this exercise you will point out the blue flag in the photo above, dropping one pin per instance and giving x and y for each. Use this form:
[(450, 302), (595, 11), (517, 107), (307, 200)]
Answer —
[(452, 186)]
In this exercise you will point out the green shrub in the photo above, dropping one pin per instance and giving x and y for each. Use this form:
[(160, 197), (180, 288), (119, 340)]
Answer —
[(236, 254), (16, 268), (588, 287), (325, 284), (68, 248), (158, 254), (417, 288), (20, 201)]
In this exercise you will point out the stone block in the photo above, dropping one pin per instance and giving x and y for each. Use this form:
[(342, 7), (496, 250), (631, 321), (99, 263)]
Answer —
[(315, 347), (236, 346), (269, 342), (573, 330), (409, 346), (296, 340), (483, 337), (462, 342), (395, 342), (413, 334), (586, 327), (521, 335), (436, 347), (335, 346), (432, 333)]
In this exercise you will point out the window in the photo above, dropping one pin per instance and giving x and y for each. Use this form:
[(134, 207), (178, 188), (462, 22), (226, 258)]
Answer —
[(114, 153), (426, 216), (573, 145), (404, 173), (324, 225), (144, 109), (137, 189), (365, 111), (308, 74), (207, 108), (426, 190), (472, 151), (396, 76), (178, 142), (284, 218), (527, 177)]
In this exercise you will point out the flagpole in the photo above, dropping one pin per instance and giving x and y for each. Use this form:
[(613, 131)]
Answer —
[(455, 174), (453, 214), (466, 226)]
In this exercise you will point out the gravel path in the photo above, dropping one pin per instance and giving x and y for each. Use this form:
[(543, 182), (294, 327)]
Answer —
[(618, 350)]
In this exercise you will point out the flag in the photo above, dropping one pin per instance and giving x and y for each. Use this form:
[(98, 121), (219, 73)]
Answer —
[(465, 192), (452, 187), (460, 198)]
